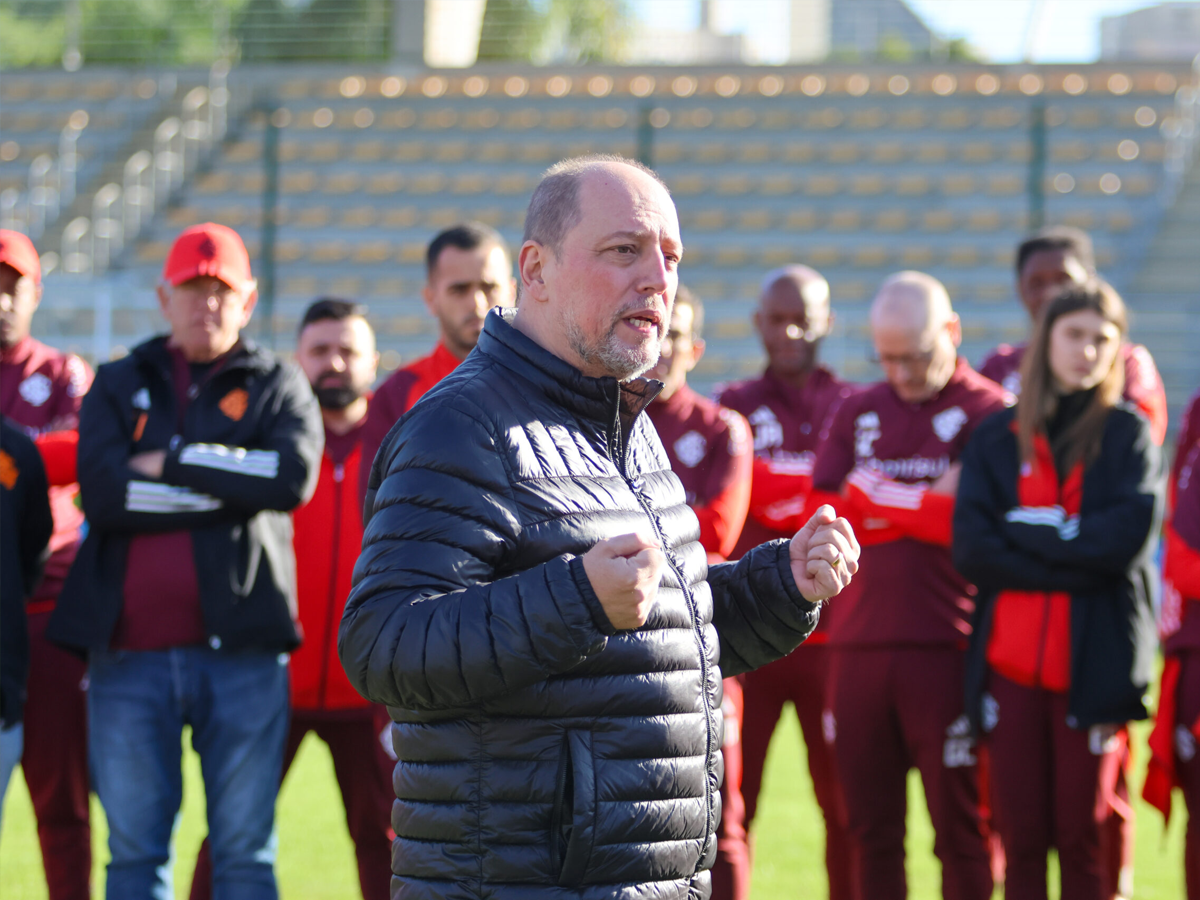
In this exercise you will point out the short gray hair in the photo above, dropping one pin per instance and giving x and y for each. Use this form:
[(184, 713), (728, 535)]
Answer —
[(554, 206)]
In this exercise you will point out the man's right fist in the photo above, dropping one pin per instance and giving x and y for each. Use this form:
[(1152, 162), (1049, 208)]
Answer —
[(625, 572)]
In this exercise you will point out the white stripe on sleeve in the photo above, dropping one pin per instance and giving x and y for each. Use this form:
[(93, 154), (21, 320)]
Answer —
[(153, 497), (238, 460)]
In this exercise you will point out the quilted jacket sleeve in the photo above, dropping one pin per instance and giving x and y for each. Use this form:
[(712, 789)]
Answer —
[(758, 611), (428, 624)]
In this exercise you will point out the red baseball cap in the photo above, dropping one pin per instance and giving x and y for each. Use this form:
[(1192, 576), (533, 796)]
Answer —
[(17, 251), (208, 249)]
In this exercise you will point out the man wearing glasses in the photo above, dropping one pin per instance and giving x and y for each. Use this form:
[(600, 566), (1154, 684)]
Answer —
[(898, 635), (193, 452)]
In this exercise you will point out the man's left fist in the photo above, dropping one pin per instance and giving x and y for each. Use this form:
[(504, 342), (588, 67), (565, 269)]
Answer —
[(824, 555)]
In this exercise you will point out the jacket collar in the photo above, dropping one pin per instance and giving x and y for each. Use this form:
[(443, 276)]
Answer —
[(246, 355), (609, 403)]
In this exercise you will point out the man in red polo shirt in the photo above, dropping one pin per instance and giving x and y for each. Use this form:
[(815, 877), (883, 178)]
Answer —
[(41, 390), (709, 449), (898, 634), (336, 351), (1047, 262), (469, 270), (789, 407)]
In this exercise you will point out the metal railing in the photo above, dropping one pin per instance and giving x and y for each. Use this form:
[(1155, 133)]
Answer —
[(181, 144)]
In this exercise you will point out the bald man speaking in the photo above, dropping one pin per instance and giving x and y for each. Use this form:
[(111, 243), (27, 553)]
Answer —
[(896, 641)]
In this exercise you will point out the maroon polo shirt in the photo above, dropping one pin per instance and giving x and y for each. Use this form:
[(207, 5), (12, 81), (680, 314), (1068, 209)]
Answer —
[(709, 449), (906, 591), (788, 424), (1181, 614)]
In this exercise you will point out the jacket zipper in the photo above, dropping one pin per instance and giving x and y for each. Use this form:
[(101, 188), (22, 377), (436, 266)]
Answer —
[(339, 474), (696, 629)]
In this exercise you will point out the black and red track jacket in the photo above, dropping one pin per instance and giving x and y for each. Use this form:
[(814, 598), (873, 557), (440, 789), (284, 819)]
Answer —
[(247, 454), (1104, 559)]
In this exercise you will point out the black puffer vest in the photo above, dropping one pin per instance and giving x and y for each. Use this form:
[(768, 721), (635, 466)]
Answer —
[(542, 753)]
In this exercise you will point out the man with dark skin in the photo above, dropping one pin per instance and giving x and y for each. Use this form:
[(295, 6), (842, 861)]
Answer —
[(789, 407)]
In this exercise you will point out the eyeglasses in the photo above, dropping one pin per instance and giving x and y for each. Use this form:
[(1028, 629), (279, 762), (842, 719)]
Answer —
[(907, 361)]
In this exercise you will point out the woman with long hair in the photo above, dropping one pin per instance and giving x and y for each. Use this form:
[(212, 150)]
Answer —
[(1056, 523)]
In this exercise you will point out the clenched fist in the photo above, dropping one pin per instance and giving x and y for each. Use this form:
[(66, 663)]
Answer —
[(624, 572), (824, 555)]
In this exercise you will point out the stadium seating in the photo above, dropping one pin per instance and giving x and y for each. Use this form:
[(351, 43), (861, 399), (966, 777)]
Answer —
[(857, 171)]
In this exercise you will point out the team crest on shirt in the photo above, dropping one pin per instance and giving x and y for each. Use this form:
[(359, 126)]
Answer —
[(866, 432), (77, 377), (948, 423), (768, 432), (8, 471), (35, 390), (234, 404), (690, 449), (737, 431)]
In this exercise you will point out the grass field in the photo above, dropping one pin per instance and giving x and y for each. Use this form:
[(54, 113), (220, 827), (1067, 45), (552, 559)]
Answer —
[(316, 859)]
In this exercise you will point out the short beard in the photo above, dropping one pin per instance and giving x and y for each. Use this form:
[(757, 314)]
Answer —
[(336, 398), (609, 354)]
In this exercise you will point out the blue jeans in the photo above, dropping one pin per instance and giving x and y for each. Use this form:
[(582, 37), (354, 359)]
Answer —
[(11, 741), (237, 706)]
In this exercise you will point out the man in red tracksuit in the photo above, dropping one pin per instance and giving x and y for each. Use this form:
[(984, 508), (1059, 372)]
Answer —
[(1053, 259), (898, 635), (709, 449), (469, 270), (788, 408), (41, 390), (1047, 262), (1175, 739), (336, 350)]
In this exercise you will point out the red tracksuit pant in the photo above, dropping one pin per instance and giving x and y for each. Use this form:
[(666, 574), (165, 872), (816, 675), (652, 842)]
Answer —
[(55, 763), (800, 677), (1187, 762), (364, 775), (1052, 786), (892, 709), (731, 871)]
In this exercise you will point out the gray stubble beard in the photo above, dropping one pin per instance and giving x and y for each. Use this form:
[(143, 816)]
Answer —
[(616, 359)]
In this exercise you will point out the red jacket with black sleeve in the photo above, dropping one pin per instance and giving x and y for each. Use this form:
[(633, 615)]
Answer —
[(328, 540)]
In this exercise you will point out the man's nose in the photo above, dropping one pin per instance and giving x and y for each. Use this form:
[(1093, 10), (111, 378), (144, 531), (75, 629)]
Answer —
[(656, 277), (337, 362)]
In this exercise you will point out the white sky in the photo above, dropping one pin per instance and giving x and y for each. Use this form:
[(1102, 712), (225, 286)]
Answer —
[(1069, 30)]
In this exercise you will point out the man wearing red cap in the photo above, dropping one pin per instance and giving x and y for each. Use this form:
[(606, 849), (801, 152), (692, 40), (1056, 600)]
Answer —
[(193, 452), (40, 390)]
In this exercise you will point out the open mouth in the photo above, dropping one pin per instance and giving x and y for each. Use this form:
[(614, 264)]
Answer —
[(646, 321)]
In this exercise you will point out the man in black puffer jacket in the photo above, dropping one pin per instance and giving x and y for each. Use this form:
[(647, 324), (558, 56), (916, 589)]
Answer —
[(532, 602)]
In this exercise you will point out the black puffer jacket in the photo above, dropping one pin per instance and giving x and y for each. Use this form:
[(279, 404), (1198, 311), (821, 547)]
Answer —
[(543, 754)]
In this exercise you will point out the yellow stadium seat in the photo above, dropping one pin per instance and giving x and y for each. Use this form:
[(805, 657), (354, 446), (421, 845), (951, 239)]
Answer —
[(537, 152), (252, 183), (512, 184), (709, 220), (302, 182), (843, 152), (243, 151), (359, 217), (916, 257), (910, 120), (385, 183), (954, 119), (958, 184), (367, 151), (409, 325), (891, 220), (688, 185), (288, 251), (345, 286), (214, 183), (328, 251), (299, 285), (938, 220), (777, 256), (427, 183), (445, 217), (993, 292), (754, 152), (962, 257), (932, 152), (731, 256), (800, 220), (822, 256), (1005, 185), (182, 216), (844, 220), (312, 217), (733, 184), (343, 183), (732, 328), (983, 220), (1080, 218), (868, 119), (977, 152), (492, 151), (871, 256), (388, 288), (888, 152), (665, 152), (912, 185), (372, 252), (710, 153), (1119, 221), (324, 151), (471, 183), (868, 185), (823, 185), (776, 185), (409, 151), (412, 252), (1003, 117), (798, 152), (754, 220)]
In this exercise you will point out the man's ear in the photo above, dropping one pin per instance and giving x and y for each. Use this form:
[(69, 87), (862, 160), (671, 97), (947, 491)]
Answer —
[(531, 264), (164, 299), (427, 296), (757, 319), (251, 302), (954, 328), (697, 352)]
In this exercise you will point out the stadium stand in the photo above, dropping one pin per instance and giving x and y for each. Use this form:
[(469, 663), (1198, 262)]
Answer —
[(858, 171)]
